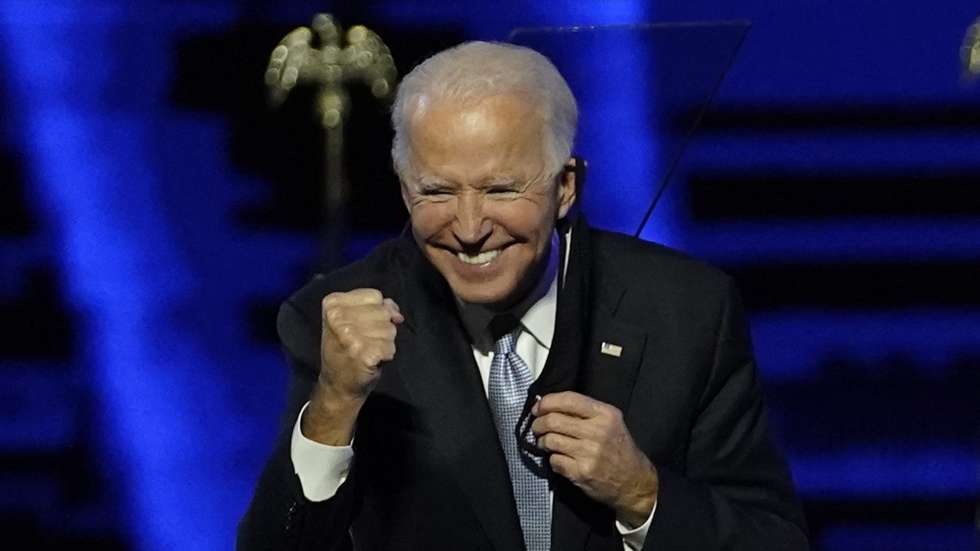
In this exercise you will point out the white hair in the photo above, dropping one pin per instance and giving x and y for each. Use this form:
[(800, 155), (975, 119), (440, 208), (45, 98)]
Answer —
[(474, 71)]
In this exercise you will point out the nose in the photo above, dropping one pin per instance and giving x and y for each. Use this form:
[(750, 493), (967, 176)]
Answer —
[(471, 226)]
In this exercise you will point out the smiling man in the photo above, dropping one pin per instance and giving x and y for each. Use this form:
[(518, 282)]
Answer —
[(482, 195), (507, 377)]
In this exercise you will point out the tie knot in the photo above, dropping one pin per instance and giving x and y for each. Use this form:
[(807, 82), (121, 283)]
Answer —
[(504, 330), (505, 344)]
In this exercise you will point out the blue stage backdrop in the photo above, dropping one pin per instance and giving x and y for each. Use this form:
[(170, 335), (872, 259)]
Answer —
[(154, 211)]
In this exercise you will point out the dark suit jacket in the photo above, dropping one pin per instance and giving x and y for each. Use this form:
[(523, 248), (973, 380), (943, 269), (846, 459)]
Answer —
[(428, 470)]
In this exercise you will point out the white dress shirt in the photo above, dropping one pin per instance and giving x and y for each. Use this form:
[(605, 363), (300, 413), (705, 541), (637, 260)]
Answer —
[(322, 469)]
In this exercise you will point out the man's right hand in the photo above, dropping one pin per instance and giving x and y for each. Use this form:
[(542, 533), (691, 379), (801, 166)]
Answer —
[(358, 334)]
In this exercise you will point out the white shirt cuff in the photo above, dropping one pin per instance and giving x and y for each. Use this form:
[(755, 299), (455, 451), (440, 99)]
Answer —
[(633, 538), (321, 468)]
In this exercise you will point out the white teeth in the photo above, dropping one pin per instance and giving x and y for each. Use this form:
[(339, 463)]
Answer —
[(482, 258)]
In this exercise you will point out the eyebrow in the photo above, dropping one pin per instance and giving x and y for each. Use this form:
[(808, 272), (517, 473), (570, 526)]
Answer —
[(432, 181), (429, 181)]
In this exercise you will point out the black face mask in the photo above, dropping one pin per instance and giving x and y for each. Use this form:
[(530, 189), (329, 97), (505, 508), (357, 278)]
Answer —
[(562, 369)]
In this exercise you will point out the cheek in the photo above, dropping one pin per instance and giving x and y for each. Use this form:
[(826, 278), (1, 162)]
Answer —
[(523, 218), (429, 218)]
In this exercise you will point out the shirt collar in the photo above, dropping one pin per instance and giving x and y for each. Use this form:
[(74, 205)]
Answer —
[(537, 311), (539, 320)]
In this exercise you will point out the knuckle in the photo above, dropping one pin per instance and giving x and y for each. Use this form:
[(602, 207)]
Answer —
[(593, 448), (355, 347), (335, 299), (587, 469), (372, 295), (333, 315), (344, 339), (557, 464)]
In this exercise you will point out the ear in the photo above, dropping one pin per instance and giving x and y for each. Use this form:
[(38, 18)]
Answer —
[(567, 187)]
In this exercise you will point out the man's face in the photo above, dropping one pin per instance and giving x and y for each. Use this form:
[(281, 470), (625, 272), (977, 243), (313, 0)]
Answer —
[(482, 204)]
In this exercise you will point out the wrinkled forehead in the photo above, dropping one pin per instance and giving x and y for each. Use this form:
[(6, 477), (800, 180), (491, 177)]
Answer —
[(501, 130)]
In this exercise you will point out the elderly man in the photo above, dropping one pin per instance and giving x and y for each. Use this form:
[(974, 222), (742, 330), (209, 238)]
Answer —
[(506, 377)]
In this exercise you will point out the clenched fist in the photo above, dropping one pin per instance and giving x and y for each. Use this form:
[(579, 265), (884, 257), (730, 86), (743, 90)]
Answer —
[(359, 329)]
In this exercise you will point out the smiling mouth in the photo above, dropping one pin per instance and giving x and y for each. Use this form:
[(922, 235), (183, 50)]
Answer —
[(483, 258)]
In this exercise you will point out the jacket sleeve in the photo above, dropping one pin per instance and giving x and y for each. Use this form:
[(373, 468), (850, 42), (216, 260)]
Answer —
[(736, 492), (279, 516)]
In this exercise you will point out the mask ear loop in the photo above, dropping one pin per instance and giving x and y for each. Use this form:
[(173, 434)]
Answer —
[(533, 457), (563, 225), (578, 169)]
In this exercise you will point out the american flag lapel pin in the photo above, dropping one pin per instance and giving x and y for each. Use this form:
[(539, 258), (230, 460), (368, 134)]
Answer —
[(611, 349)]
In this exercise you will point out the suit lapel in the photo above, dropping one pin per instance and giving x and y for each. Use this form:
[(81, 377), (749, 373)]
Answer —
[(442, 377), (615, 353), (608, 379)]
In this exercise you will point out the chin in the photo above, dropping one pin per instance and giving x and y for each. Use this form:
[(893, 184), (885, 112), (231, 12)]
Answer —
[(474, 294)]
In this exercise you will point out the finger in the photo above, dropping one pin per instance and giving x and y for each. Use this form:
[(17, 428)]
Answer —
[(354, 297), (570, 403), (379, 329), (560, 423), (357, 315), (348, 335), (365, 312), (375, 351), (559, 443), (394, 311), (564, 465), (358, 340)]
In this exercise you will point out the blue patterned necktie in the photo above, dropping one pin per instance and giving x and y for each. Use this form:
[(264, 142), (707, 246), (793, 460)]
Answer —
[(510, 379)]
